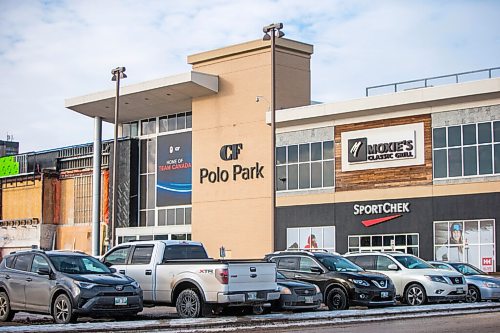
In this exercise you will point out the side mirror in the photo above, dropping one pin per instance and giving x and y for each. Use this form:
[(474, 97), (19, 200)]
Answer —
[(112, 269), (393, 267), (43, 271), (316, 270)]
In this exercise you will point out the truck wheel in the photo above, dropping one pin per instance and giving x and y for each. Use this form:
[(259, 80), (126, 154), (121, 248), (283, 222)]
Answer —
[(6, 313), (415, 295), (337, 300), (188, 304), (62, 310)]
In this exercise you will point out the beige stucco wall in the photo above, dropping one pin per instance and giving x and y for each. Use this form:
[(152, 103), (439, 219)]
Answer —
[(74, 238), (237, 214), (68, 201), (22, 201)]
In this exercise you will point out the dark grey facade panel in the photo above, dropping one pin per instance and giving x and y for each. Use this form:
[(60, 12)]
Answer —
[(420, 218), (127, 180)]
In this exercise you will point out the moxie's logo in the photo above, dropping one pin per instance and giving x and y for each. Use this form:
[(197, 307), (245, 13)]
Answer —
[(357, 150)]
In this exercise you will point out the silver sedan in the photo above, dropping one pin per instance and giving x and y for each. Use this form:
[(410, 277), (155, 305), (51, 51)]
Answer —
[(481, 285)]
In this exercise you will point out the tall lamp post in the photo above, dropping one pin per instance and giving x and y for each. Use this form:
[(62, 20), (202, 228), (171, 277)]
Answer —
[(271, 32), (118, 73)]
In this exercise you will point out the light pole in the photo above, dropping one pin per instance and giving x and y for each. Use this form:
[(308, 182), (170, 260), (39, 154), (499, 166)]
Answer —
[(118, 73), (270, 33)]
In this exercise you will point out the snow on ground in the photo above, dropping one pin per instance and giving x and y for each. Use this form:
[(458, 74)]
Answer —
[(277, 320)]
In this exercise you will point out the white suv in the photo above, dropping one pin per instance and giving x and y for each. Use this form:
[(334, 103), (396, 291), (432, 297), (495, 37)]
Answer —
[(416, 281)]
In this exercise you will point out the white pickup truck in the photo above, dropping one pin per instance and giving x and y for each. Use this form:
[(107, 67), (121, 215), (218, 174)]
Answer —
[(180, 273)]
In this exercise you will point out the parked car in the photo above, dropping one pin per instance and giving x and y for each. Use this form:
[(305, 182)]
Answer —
[(65, 285), (416, 281), (180, 274), (295, 295), (341, 282), (481, 286)]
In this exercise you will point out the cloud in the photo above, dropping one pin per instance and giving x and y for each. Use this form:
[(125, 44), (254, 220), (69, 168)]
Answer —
[(53, 50)]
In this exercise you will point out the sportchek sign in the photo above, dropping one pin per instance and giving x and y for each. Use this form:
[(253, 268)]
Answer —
[(392, 209)]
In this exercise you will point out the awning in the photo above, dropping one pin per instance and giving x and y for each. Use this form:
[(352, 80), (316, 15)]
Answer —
[(148, 99)]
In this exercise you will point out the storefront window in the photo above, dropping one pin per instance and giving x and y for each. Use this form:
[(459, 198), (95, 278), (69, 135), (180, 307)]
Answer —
[(305, 166), (470, 241), (407, 243), (311, 238), (175, 122), (466, 150)]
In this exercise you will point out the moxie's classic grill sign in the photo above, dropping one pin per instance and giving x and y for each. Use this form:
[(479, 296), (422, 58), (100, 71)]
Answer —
[(361, 151)]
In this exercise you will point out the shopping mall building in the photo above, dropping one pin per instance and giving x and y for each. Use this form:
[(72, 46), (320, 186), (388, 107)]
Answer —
[(414, 170)]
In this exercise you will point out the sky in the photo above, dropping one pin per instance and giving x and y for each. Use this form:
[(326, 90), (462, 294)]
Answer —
[(53, 50)]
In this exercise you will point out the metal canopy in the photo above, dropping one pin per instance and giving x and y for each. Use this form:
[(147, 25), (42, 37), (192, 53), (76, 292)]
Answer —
[(148, 99)]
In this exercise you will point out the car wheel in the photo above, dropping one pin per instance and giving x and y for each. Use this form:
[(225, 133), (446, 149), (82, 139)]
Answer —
[(188, 304), (415, 295), (6, 313), (337, 300), (261, 309), (473, 295), (62, 310)]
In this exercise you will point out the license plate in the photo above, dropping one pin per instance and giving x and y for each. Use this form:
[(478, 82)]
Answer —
[(460, 290), (384, 294), (121, 300), (252, 296), (308, 299)]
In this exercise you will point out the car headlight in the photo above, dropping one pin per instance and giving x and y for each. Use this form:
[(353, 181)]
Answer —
[(360, 282), (317, 289), (135, 284), (84, 285), (490, 284), (436, 278), (284, 290)]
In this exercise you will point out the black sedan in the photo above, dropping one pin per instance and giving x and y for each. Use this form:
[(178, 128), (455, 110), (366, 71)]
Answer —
[(294, 295)]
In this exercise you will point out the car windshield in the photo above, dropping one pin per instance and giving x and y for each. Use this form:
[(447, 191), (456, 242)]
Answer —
[(76, 264), (467, 269), (339, 264), (412, 262)]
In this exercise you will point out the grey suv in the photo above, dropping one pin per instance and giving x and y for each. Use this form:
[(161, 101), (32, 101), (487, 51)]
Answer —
[(65, 285)]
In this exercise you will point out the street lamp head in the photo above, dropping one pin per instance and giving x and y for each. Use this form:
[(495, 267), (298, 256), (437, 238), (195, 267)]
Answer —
[(272, 26), (118, 71), (274, 29)]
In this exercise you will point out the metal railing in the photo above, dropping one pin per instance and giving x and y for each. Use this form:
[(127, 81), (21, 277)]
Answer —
[(433, 81)]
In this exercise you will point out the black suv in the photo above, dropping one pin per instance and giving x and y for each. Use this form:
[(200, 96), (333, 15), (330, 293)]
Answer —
[(341, 281), (64, 284)]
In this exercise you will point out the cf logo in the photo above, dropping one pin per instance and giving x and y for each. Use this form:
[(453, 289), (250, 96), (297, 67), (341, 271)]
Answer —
[(230, 152)]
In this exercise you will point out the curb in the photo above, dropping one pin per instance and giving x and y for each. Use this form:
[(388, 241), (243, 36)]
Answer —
[(275, 320)]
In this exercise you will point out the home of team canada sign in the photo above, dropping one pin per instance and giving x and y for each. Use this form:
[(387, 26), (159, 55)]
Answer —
[(238, 171)]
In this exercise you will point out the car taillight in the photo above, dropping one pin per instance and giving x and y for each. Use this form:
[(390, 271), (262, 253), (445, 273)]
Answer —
[(222, 275)]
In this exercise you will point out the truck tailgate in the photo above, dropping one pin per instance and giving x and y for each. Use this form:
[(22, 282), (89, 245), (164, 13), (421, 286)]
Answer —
[(252, 276)]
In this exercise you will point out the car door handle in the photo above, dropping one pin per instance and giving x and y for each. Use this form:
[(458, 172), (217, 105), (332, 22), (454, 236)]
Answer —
[(149, 272), (297, 276), (121, 271), (7, 277), (29, 279)]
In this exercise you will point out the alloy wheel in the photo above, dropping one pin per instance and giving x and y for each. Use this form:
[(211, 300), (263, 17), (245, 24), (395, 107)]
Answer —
[(3, 307), (62, 310), (415, 296), (188, 304), (472, 295)]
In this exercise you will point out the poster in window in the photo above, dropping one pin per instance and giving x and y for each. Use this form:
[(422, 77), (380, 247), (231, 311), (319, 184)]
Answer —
[(174, 176)]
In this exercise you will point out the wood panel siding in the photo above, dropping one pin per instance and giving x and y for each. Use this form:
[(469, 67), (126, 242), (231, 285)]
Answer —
[(417, 175)]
